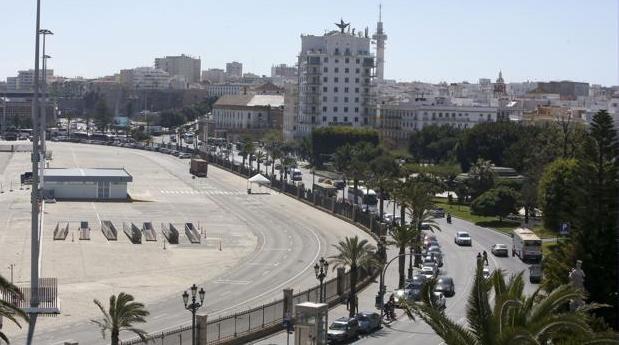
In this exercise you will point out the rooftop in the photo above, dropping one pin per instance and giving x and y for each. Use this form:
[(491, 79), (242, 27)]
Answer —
[(87, 174)]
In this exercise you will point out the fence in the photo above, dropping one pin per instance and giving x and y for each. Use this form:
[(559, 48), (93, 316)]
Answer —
[(227, 328)]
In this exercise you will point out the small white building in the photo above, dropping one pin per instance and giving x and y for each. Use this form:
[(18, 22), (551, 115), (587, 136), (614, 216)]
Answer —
[(86, 183)]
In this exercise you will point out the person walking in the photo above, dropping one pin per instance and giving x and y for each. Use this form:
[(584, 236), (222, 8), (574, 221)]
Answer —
[(479, 257), (485, 256)]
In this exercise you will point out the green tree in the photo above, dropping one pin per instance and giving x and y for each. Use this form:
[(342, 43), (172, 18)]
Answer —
[(327, 140), (497, 202), (489, 141), (122, 314), (355, 254), (171, 119), (402, 236), (434, 144), (102, 115), (260, 156), (382, 172), (595, 228), (481, 177), (8, 309), (499, 313), (247, 149), (558, 197)]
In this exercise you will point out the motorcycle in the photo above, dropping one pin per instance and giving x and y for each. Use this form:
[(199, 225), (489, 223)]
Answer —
[(449, 219)]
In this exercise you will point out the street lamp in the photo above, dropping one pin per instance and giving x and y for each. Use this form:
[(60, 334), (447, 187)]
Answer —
[(43, 124), (410, 263), (321, 268), (193, 307)]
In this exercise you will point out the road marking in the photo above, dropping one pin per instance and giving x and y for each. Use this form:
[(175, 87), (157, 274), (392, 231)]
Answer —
[(232, 282)]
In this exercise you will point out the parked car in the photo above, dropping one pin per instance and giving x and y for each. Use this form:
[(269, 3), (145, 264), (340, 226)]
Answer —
[(438, 212), (184, 156), (339, 184), (463, 238), (446, 286), (499, 249), (403, 295), (430, 271), (415, 285), (425, 226), (343, 329), (535, 273), (368, 321), (428, 239)]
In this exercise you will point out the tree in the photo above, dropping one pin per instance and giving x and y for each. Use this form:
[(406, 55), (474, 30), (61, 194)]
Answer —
[(327, 140), (481, 177), (103, 116), (499, 313), (121, 315), (260, 156), (434, 143), (170, 119), (247, 148), (8, 309), (382, 171), (489, 141), (497, 202), (402, 236), (355, 254), (557, 193), (594, 229)]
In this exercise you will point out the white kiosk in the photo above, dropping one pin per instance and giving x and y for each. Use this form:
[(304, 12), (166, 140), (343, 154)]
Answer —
[(311, 323)]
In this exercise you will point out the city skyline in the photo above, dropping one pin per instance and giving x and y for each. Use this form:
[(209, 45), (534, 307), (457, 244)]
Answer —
[(527, 41)]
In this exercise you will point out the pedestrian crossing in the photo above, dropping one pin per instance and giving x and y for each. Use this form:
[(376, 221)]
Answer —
[(203, 192)]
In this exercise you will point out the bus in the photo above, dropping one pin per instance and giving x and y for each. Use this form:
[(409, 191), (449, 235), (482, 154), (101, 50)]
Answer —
[(365, 197), (296, 174), (527, 245), (188, 137), (325, 189)]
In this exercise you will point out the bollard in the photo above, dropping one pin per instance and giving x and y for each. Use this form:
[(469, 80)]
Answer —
[(201, 321), (341, 274)]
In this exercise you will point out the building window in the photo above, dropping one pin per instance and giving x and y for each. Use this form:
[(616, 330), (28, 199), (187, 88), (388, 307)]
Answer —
[(337, 60), (324, 119), (356, 70), (367, 71), (345, 110), (345, 118), (440, 115), (346, 89), (335, 89), (356, 99), (334, 118), (346, 99), (356, 90), (313, 110), (324, 109), (249, 116), (337, 52), (313, 89), (356, 111), (337, 70), (356, 80), (346, 60), (336, 80), (346, 70), (325, 69), (335, 109), (346, 80), (357, 60), (335, 99), (324, 89), (324, 98), (325, 79), (325, 59), (365, 120)]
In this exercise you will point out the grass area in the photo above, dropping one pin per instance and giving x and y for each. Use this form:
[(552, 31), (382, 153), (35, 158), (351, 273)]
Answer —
[(506, 226)]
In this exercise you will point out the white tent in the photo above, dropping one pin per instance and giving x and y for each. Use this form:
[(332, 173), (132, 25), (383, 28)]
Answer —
[(259, 180)]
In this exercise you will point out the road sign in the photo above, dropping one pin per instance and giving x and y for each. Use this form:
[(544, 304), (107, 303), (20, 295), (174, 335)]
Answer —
[(564, 230)]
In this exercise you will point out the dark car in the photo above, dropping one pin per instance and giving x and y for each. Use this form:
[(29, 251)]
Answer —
[(343, 329), (415, 285), (368, 321), (438, 212), (445, 285), (339, 184)]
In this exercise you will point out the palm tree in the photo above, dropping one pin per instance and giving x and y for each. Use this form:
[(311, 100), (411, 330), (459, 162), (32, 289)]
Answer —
[(382, 171), (402, 236), (514, 318), (481, 177), (247, 148), (355, 254), (8, 310), (123, 312), (259, 158)]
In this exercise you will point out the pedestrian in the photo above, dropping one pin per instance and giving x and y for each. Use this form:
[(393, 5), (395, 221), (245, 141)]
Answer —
[(479, 257), (347, 302), (485, 255), (513, 251)]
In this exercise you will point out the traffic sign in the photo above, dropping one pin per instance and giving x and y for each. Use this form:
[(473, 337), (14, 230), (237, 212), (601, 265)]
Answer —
[(564, 230)]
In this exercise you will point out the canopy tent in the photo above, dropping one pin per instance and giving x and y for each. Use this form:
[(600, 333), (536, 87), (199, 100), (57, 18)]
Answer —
[(259, 180)]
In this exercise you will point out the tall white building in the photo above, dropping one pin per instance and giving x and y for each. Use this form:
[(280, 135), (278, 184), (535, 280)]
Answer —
[(214, 75), (25, 80), (145, 78), (183, 65), (335, 80)]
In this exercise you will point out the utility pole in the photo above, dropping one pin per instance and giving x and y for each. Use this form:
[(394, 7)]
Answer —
[(34, 195), (11, 267)]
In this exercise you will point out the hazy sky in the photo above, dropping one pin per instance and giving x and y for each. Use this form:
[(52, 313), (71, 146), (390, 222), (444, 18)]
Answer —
[(440, 40)]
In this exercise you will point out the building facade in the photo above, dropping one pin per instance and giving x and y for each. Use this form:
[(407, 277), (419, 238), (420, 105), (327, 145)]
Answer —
[(284, 71), (214, 75), (234, 70), (183, 65), (398, 121), (25, 80), (223, 89), (335, 80), (291, 112), (236, 115), (145, 78)]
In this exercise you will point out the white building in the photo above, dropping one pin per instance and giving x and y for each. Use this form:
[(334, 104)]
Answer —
[(335, 80), (244, 114), (397, 122), (25, 80), (223, 89), (145, 78), (234, 70), (291, 111), (185, 66), (214, 75)]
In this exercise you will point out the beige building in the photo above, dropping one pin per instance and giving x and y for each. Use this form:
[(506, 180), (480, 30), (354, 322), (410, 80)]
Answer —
[(239, 115), (182, 66)]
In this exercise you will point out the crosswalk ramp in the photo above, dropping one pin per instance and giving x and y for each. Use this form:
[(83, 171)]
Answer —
[(203, 192)]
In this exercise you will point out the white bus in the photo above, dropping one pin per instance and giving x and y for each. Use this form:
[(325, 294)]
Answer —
[(527, 245), (188, 137), (366, 198)]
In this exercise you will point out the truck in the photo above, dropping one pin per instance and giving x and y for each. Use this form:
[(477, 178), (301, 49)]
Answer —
[(198, 167), (527, 245)]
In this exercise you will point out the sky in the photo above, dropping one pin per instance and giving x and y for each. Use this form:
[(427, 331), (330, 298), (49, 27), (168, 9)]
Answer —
[(430, 41)]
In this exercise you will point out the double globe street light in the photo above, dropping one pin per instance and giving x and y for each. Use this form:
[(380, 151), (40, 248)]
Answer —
[(193, 307), (321, 268)]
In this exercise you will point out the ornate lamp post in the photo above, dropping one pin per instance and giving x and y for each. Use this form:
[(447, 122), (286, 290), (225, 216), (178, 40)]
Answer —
[(321, 268), (193, 307)]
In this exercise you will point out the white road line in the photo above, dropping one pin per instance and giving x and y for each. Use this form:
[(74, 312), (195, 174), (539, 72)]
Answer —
[(232, 282)]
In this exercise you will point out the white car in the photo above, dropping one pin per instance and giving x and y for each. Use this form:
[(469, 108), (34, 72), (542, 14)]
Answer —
[(429, 271), (439, 300), (486, 272), (463, 238)]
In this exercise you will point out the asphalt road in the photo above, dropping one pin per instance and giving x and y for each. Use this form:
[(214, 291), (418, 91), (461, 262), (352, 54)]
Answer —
[(291, 237)]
